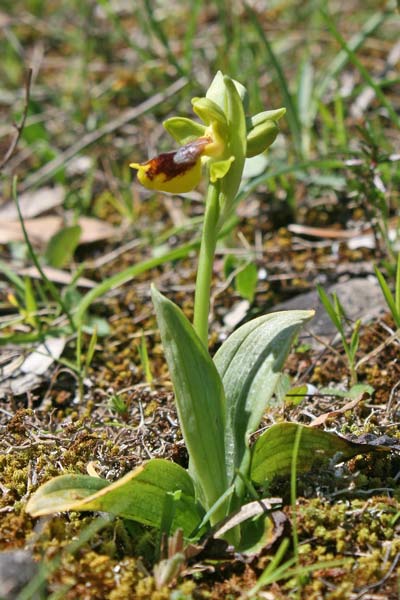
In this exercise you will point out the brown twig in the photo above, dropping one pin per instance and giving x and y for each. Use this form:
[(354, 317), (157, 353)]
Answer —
[(19, 127)]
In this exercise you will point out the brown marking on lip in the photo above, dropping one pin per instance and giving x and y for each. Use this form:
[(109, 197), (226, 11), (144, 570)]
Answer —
[(176, 163)]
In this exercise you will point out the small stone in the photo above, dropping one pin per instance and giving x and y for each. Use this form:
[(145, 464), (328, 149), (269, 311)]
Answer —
[(17, 568)]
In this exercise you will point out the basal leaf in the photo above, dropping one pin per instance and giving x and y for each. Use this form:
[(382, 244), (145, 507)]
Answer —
[(199, 397), (250, 364), (272, 453), (140, 495)]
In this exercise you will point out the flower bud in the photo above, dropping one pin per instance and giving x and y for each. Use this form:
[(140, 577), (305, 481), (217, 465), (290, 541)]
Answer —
[(262, 130), (261, 137)]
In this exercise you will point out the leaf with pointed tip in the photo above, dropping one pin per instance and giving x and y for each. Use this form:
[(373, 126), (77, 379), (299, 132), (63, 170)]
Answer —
[(250, 364), (272, 453), (200, 400), (140, 495)]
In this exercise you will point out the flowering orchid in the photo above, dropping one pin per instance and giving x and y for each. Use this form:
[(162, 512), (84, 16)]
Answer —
[(220, 145), (221, 400), (216, 145)]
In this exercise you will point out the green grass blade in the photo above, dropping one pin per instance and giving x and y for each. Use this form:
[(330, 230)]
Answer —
[(397, 289), (91, 349), (128, 274), (158, 31), (285, 169), (288, 102), (340, 60), (129, 40), (46, 281), (191, 28), (390, 299), (362, 70), (304, 101), (17, 281), (329, 307), (135, 270), (144, 360)]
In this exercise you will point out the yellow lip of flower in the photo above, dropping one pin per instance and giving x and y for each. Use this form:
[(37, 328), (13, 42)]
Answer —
[(175, 172)]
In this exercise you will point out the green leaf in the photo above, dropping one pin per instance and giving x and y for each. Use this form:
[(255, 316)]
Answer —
[(272, 453), (199, 397), (356, 391), (62, 246), (140, 495), (295, 395), (184, 130), (250, 364), (246, 281)]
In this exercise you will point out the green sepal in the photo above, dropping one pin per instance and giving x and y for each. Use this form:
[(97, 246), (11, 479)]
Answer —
[(210, 113), (217, 92), (184, 130), (237, 147)]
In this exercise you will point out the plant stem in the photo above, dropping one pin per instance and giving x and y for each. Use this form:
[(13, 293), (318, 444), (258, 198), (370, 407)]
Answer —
[(206, 261)]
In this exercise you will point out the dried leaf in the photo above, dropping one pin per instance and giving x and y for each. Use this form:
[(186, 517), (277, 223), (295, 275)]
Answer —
[(43, 356), (33, 203), (57, 276)]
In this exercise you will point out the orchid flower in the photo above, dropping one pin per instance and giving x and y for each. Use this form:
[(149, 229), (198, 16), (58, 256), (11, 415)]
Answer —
[(219, 146), (215, 145)]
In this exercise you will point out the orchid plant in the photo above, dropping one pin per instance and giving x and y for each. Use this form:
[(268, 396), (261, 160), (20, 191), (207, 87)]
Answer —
[(220, 400)]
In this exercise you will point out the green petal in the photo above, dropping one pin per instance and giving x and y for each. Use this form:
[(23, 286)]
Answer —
[(219, 168), (184, 130), (210, 112)]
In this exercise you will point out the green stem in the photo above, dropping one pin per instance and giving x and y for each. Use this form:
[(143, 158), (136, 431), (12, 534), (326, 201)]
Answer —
[(206, 260)]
